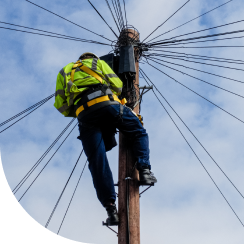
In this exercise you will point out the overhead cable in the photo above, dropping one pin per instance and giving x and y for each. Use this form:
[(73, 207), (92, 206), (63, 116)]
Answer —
[(68, 20), (203, 30), (120, 12), (200, 80), (191, 20), (59, 37), (103, 18), (201, 47), (116, 12), (197, 93), (35, 108), (112, 14), (213, 40), (211, 57), (15, 190), (220, 66), (192, 57), (167, 19), (194, 38), (196, 155), (63, 190), (26, 110), (72, 198), (125, 13), (187, 67), (72, 37), (48, 162), (227, 177)]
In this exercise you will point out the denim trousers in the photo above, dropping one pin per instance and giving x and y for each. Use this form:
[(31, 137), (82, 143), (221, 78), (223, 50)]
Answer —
[(94, 147)]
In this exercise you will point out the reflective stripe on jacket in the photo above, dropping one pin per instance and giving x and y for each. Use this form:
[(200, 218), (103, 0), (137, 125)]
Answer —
[(66, 90)]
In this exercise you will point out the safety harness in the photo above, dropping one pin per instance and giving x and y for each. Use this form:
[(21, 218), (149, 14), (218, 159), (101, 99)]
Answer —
[(96, 94)]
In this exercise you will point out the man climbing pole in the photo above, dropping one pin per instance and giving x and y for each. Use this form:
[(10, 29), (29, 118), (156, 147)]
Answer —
[(88, 90)]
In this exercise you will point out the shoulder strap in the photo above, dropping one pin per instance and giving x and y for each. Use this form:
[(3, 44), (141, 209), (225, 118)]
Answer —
[(85, 69)]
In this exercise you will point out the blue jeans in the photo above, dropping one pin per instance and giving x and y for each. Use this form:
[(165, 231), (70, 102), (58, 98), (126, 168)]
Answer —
[(94, 148)]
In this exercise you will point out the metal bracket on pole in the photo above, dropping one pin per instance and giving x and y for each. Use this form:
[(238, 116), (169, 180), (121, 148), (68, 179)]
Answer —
[(105, 224), (143, 88), (152, 184), (146, 87)]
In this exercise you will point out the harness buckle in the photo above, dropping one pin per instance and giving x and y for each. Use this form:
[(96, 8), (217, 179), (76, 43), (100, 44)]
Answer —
[(111, 97)]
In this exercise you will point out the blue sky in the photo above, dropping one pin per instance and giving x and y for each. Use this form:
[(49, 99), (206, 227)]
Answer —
[(184, 201)]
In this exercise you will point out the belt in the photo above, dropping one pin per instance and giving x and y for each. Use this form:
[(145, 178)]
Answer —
[(95, 101)]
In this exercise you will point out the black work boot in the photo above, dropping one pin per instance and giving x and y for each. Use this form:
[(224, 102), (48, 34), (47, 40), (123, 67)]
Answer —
[(113, 218), (146, 176)]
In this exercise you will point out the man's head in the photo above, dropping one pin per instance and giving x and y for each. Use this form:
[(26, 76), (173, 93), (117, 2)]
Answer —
[(88, 55)]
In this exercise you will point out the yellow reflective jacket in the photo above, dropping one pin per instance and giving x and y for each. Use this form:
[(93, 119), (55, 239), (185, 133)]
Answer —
[(66, 90)]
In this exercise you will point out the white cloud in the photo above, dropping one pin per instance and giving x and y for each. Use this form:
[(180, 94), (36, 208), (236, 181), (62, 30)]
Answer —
[(184, 201)]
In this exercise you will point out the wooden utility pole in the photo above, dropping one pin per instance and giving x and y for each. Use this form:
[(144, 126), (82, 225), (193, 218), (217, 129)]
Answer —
[(129, 205)]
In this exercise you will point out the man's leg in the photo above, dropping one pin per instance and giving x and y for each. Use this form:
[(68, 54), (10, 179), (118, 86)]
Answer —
[(94, 148), (132, 128)]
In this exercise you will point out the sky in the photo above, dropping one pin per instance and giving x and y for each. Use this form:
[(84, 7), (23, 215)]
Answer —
[(184, 206)]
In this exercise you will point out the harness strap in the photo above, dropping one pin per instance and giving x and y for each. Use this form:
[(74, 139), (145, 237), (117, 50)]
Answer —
[(86, 70), (95, 101)]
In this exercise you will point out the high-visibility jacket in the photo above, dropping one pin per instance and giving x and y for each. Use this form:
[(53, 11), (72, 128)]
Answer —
[(67, 91)]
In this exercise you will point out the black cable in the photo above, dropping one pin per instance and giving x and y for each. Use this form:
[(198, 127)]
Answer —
[(201, 47), (198, 159), (103, 18), (26, 110), (121, 14), (27, 114), (213, 40), (125, 14), (195, 38), (112, 14), (204, 72), (197, 94), (71, 198), (68, 20), (47, 163), (63, 190), (48, 32), (59, 37), (194, 136), (200, 80), (88, 158), (226, 67), (167, 19), (188, 54), (191, 20), (15, 190), (118, 14), (187, 57), (205, 29), (115, 10), (194, 57)]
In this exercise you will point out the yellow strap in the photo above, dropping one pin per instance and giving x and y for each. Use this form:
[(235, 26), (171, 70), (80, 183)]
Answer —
[(123, 101), (95, 101), (73, 70), (85, 69)]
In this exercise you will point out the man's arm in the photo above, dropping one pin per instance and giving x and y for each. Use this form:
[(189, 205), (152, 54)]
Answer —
[(60, 99)]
